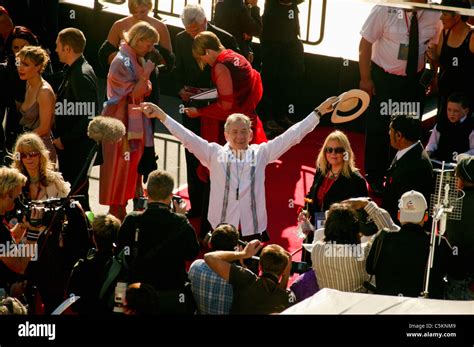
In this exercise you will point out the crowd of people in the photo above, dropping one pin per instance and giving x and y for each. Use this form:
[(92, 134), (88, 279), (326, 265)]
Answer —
[(135, 263)]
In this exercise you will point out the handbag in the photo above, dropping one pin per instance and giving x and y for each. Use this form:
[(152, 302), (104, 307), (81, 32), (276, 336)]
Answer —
[(135, 121)]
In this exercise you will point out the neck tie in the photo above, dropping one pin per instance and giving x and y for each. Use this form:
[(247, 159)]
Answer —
[(412, 60), (394, 162)]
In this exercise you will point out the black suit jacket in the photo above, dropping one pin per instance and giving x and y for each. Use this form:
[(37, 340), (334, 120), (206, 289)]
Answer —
[(235, 17), (401, 265), (187, 72), (344, 188), (412, 172), (79, 85), (166, 269)]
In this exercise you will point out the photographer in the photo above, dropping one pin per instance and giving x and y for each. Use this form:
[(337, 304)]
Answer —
[(166, 240), (68, 239), (254, 294), (88, 273), (11, 266), (213, 295)]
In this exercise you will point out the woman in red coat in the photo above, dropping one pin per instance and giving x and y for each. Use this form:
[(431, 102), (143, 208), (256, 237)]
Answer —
[(239, 88)]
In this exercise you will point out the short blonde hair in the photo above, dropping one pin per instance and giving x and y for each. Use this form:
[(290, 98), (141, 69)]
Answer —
[(73, 38), (203, 41), (349, 164), (237, 117), (36, 54), (159, 185), (133, 4), (139, 32), (10, 179)]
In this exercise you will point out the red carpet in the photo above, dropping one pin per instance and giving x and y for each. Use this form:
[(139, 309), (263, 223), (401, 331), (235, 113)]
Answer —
[(287, 182)]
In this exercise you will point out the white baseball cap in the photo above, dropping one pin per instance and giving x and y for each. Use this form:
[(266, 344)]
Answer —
[(412, 207)]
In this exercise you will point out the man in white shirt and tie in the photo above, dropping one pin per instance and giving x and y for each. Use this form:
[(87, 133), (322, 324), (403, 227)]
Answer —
[(237, 169), (391, 62)]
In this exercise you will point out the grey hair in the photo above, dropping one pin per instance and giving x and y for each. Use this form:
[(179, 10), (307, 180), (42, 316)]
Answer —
[(237, 117), (193, 14)]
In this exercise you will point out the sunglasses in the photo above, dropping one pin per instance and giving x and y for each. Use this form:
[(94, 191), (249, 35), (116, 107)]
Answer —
[(337, 150), (29, 155)]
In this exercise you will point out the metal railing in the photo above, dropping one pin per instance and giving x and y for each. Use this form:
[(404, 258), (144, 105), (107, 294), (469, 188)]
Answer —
[(173, 8), (167, 154)]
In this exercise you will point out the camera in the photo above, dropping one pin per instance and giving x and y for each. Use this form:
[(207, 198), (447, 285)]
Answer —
[(178, 199), (252, 263), (38, 212)]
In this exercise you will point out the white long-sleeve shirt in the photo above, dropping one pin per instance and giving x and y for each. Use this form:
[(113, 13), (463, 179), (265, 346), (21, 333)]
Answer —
[(214, 157)]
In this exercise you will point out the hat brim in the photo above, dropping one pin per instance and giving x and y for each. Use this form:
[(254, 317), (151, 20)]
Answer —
[(351, 104)]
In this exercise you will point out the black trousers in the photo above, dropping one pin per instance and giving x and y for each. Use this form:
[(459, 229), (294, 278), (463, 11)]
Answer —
[(282, 73), (394, 94), (70, 165)]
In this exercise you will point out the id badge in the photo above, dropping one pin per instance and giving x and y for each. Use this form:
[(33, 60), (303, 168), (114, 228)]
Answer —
[(403, 52), (319, 219)]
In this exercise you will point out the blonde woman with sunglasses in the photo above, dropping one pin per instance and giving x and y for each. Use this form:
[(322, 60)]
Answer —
[(336, 179), (31, 158)]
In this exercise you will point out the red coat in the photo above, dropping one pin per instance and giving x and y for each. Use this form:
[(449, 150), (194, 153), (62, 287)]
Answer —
[(247, 93)]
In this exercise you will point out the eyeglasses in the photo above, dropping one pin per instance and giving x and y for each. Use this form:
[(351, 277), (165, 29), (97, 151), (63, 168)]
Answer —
[(337, 150), (29, 155)]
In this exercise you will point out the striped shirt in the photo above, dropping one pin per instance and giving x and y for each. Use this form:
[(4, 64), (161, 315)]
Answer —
[(340, 266), (381, 217), (212, 293)]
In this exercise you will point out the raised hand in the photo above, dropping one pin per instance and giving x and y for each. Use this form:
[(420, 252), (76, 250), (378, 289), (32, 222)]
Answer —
[(327, 105), (151, 110), (252, 248)]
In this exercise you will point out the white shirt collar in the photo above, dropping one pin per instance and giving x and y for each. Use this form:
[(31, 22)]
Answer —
[(402, 152)]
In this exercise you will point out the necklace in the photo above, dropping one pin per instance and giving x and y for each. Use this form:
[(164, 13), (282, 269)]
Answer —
[(334, 175)]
